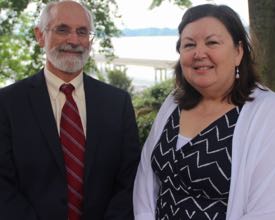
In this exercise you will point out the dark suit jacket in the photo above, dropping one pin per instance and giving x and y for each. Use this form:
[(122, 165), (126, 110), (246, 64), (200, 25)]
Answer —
[(32, 173)]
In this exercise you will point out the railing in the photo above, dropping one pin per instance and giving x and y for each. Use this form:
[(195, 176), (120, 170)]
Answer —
[(161, 67)]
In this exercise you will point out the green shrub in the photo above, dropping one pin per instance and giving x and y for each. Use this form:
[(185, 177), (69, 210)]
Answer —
[(144, 123), (118, 78), (147, 104)]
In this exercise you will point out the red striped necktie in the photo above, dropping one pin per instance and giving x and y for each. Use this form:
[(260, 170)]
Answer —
[(72, 141)]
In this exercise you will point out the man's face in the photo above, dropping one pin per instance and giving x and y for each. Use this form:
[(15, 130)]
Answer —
[(66, 39)]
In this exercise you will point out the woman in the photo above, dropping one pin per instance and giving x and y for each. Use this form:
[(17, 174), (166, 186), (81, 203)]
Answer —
[(210, 152)]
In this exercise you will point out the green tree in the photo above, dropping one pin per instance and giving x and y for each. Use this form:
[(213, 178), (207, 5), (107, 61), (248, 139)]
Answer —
[(118, 78), (181, 3), (147, 104), (19, 52), (262, 26)]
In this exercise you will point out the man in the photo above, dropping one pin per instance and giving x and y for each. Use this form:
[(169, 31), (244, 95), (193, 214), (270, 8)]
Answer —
[(68, 143)]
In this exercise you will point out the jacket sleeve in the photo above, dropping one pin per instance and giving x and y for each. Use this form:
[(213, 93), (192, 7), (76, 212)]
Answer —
[(121, 206), (13, 204)]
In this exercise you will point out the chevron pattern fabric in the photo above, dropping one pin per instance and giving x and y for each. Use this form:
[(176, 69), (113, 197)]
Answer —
[(72, 140), (194, 180)]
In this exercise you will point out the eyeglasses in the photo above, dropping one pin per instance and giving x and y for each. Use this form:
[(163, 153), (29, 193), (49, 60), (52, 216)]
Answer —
[(65, 31)]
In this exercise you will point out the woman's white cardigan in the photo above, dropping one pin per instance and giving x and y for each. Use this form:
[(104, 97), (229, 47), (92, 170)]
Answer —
[(252, 187)]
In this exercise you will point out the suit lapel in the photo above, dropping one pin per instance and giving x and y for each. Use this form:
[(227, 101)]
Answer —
[(41, 104), (94, 114)]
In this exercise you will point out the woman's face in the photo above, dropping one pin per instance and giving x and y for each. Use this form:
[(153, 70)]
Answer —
[(208, 56)]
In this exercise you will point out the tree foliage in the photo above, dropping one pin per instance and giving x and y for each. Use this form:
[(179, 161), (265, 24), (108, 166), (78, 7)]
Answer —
[(20, 54), (262, 25), (118, 78), (147, 104), (181, 3)]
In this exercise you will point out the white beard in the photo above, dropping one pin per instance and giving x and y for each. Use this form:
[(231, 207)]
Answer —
[(67, 63)]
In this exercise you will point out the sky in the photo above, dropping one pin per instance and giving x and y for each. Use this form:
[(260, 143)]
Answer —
[(135, 13)]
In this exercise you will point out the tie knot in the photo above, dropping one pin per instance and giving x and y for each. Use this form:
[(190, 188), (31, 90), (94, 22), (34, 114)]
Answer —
[(67, 89)]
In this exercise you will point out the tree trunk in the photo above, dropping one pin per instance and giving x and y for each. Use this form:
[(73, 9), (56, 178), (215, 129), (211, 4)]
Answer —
[(262, 31)]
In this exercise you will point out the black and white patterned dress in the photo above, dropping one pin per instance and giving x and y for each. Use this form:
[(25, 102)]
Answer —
[(194, 180)]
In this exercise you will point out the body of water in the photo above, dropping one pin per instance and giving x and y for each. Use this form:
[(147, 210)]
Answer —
[(149, 47)]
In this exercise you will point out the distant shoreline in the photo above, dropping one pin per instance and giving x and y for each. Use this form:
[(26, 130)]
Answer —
[(127, 32), (140, 32)]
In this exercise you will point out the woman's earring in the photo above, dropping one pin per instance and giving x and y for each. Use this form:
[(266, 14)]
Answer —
[(237, 76)]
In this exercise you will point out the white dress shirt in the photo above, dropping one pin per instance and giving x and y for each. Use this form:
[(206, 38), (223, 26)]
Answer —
[(58, 98)]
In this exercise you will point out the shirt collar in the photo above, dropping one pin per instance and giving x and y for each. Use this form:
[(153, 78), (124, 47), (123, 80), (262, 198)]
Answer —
[(54, 83)]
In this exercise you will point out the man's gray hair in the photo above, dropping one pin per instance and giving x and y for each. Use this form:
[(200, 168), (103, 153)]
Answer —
[(46, 16)]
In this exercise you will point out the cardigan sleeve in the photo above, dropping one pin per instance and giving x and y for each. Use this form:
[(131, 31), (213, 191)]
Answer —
[(261, 193), (261, 196), (146, 183), (252, 191)]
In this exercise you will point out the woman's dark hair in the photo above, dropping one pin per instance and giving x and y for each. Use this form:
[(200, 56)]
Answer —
[(188, 97)]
